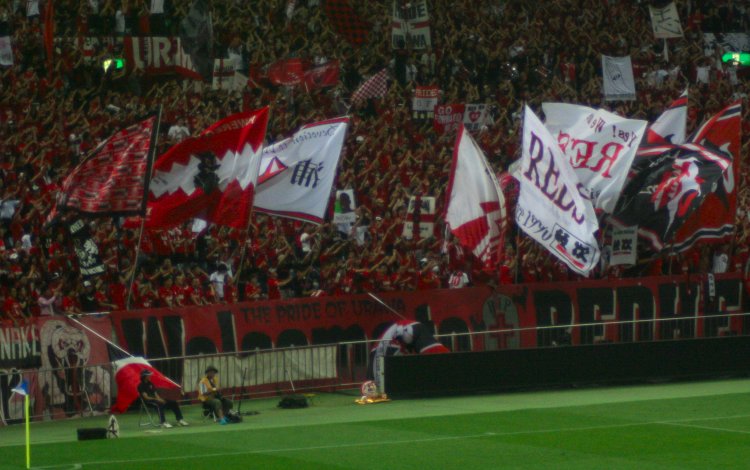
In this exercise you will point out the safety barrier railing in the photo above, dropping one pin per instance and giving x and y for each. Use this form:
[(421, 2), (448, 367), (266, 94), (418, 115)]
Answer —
[(89, 390)]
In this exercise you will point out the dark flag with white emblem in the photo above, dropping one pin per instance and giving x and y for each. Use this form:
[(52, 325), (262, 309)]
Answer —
[(667, 187)]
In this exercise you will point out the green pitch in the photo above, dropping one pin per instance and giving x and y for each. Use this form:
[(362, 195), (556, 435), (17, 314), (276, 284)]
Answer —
[(674, 426)]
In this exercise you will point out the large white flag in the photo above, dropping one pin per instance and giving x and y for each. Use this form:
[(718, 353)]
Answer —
[(476, 209), (617, 73), (550, 208), (296, 174), (600, 147)]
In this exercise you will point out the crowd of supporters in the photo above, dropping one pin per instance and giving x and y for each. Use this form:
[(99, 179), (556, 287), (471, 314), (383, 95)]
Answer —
[(503, 53)]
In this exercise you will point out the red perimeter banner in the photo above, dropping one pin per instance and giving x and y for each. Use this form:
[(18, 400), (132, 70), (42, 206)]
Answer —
[(552, 307), (33, 352)]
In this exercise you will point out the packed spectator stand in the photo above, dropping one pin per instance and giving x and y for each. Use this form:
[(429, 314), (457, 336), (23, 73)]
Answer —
[(503, 53)]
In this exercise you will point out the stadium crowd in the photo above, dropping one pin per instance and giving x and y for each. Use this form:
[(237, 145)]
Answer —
[(503, 53)]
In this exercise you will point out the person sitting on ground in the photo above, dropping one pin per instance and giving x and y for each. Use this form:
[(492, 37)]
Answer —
[(147, 391), (209, 395)]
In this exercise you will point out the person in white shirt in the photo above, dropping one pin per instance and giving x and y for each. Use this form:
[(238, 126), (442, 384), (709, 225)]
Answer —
[(219, 279)]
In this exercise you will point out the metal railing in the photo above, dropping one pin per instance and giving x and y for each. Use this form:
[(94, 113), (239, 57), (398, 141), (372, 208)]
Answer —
[(89, 390)]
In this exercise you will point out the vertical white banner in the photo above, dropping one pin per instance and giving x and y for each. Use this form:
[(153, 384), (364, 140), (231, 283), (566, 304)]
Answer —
[(617, 73)]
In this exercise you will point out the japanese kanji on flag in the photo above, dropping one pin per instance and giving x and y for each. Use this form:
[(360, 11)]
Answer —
[(128, 375), (297, 173), (210, 177), (476, 211), (550, 208), (112, 179), (374, 87)]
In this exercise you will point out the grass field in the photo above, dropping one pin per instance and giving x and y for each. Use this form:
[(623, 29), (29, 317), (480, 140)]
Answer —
[(670, 426)]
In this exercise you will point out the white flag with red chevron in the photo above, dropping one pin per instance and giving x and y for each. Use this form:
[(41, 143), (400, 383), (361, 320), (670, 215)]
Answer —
[(476, 211), (211, 177)]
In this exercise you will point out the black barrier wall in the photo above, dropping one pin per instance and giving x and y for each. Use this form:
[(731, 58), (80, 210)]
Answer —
[(600, 364)]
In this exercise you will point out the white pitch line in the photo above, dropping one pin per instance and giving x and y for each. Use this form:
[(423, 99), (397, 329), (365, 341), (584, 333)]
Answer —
[(708, 428), (679, 422)]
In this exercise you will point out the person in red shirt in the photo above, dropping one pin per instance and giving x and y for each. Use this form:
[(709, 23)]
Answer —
[(167, 293), (252, 289)]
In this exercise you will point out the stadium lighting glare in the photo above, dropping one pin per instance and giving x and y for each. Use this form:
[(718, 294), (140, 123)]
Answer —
[(739, 58)]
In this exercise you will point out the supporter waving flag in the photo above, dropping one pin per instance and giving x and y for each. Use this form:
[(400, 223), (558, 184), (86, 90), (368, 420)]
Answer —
[(476, 211), (550, 208), (211, 177)]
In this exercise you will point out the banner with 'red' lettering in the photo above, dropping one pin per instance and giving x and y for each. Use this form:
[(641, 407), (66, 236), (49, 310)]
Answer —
[(599, 145), (550, 208)]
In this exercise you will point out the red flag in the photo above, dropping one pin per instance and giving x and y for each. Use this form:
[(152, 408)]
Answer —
[(128, 376), (113, 178), (322, 75), (49, 33), (211, 177), (287, 72)]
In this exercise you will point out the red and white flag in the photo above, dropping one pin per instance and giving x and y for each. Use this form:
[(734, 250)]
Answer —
[(670, 126), (210, 177), (128, 375), (476, 211), (297, 173), (374, 87), (113, 178)]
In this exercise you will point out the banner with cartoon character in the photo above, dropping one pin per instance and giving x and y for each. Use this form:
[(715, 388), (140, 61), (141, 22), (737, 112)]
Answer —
[(66, 367)]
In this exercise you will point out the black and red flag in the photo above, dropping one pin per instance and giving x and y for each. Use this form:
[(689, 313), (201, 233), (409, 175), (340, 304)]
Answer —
[(113, 179), (715, 219), (669, 184)]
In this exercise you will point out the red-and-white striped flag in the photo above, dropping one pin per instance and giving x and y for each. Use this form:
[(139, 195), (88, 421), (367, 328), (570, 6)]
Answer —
[(374, 87), (211, 177), (476, 211)]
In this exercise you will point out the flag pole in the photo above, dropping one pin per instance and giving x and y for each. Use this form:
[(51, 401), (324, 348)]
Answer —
[(111, 343), (28, 431), (149, 171), (96, 333)]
